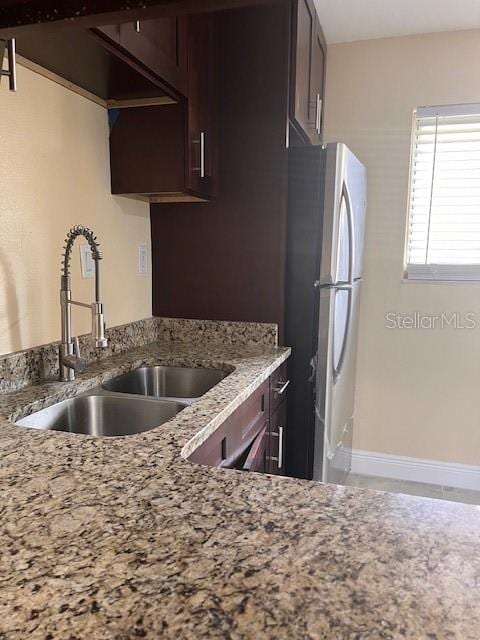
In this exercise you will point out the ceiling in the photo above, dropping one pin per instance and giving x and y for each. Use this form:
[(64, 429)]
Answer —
[(349, 20)]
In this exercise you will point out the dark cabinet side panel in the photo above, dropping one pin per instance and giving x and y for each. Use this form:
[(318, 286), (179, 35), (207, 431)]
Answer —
[(225, 260), (305, 220)]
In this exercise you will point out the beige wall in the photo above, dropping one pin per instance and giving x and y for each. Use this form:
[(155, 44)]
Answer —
[(418, 392), (54, 173)]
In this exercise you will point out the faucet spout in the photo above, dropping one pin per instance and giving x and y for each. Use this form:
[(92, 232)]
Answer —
[(98, 326), (71, 362)]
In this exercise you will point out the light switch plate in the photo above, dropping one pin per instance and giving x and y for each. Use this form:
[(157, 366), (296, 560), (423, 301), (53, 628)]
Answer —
[(86, 261), (142, 259)]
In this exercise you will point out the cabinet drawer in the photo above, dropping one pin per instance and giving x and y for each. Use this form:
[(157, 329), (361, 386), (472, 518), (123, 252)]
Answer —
[(237, 433), (278, 387)]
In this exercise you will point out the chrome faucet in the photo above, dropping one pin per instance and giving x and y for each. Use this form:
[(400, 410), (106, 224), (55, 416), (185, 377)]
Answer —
[(70, 359)]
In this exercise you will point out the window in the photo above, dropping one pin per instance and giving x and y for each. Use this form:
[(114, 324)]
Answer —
[(443, 235)]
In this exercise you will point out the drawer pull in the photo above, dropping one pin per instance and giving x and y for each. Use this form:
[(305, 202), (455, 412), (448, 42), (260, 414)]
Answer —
[(281, 387)]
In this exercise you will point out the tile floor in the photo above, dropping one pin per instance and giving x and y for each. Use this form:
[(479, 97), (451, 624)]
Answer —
[(414, 488)]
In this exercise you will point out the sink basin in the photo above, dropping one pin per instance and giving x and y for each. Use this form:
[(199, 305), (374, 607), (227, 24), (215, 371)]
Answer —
[(182, 383), (102, 415)]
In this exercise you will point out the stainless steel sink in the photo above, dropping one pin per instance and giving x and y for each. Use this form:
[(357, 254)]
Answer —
[(181, 383), (113, 410), (103, 415)]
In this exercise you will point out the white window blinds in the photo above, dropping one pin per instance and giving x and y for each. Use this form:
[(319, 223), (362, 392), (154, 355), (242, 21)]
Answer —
[(443, 236)]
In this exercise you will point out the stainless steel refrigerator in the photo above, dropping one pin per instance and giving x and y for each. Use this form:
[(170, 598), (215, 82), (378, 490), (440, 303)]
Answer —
[(326, 224)]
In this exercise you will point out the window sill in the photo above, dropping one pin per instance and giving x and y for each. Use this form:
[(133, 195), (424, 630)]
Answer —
[(406, 280), (443, 273)]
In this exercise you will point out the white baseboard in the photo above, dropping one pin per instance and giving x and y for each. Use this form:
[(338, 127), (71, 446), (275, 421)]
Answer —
[(371, 463)]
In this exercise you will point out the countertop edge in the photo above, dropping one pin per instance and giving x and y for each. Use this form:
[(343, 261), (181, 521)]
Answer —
[(201, 436)]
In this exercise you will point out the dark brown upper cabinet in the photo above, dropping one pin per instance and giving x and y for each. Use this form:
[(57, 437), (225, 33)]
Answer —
[(135, 61), (202, 112), (160, 45), (92, 61), (167, 153), (307, 85)]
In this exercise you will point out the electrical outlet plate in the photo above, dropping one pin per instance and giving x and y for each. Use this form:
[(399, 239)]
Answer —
[(142, 259), (86, 261)]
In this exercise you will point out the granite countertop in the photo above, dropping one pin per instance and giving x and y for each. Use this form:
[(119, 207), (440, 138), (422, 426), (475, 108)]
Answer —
[(123, 538)]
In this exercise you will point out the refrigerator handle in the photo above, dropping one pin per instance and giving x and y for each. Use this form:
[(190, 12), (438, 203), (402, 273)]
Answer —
[(351, 233), (339, 286), (347, 286), (341, 360)]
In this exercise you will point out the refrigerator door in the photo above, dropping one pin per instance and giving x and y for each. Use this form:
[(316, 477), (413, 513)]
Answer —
[(335, 381), (344, 209)]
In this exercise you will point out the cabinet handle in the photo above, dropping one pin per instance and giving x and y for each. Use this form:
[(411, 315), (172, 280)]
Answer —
[(318, 119), (278, 435), (202, 154), (11, 72), (137, 26), (280, 447), (281, 387), (201, 142)]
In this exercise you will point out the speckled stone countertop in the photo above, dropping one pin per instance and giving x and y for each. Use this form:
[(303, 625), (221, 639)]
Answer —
[(123, 538)]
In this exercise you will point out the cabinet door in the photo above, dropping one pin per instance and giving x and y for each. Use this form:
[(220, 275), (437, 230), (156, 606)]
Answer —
[(201, 107), (276, 445), (231, 444), (160, 46), (302, 41), (308, 63), (257, 457), (317, 83)]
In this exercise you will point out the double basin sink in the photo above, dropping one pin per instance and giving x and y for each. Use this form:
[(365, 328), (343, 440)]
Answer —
[(134, 402)]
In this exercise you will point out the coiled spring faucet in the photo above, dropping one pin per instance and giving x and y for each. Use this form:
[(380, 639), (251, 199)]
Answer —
[(71, 361)]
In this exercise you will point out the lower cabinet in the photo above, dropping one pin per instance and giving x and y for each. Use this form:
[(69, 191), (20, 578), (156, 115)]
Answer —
[(253, 437)]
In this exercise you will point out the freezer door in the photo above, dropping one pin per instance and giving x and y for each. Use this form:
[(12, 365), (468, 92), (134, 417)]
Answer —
[(335, 381), (343, 215)]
